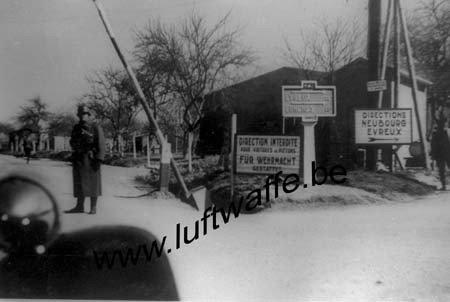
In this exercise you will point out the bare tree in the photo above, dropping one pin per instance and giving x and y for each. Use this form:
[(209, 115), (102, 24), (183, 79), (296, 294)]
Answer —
[(113, 101), (152, 75), (195, 59), (6, 128), (429, 28), (61, 123), (430, 34), (326, 47), (169, 121), (34, 115)]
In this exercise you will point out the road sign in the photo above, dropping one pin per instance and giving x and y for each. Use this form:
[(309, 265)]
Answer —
[(308, 100), (383, 126), (379, 85), (264, 154)]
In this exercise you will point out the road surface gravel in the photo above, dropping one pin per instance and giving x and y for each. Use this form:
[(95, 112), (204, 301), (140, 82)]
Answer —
[(371, 252)]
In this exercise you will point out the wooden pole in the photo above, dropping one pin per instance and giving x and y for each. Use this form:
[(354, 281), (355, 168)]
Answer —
[(396, 54), (395, 158), (148, 149), (134, 145), (392, 94), (387, 31), (412, 74), (373, 54), (164, 168), (121, 145), (187, 194), (232, 155), (176, 140)]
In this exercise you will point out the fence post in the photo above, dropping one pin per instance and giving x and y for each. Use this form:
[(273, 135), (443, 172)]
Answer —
[(147, 137), (164, 167), (232, 155), (134, 145)]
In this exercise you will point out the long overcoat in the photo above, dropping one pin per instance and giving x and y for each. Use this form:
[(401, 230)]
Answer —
[(440, 142), (88, 145)]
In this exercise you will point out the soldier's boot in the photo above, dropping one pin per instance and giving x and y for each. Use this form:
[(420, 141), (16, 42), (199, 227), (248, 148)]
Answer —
[(93, 206), (79, 208), (442, 177)]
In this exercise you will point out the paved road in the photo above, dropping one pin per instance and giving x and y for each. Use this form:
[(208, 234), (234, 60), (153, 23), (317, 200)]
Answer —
[(394, 252)]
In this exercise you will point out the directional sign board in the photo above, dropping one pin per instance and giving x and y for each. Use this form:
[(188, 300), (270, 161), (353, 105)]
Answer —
[(383, 126), (373, 86), (264, 154), (308, 100)]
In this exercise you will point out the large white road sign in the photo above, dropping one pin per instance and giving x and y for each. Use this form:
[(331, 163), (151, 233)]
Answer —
[(383, 126), (308, 100), (263, 154)]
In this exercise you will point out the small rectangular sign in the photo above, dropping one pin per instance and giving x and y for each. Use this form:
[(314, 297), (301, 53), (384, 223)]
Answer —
[(383, 126), (379, 85), (264, 154)]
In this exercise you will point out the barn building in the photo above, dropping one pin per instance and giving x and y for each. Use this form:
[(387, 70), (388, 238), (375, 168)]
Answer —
[(257, 103)]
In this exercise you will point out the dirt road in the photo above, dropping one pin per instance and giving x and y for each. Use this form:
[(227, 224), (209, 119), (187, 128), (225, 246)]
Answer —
[(354, 253)]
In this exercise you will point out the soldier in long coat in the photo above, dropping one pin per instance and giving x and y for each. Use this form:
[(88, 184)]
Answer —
[(440, 145), (88, 145)]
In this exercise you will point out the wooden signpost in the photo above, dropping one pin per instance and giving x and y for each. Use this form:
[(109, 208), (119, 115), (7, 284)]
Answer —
[(308, 101)]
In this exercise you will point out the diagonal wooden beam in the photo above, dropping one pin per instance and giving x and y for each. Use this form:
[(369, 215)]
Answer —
[(188, 197)]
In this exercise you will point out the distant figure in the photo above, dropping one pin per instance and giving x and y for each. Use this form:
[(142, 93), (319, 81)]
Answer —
[(88, 145), (440, 144), (27, 144)]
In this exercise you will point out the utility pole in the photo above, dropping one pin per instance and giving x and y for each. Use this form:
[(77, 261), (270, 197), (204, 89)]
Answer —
[(373, 54), (397, 44)]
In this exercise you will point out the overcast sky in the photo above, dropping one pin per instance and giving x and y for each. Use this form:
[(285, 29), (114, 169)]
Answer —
[(49, 46)]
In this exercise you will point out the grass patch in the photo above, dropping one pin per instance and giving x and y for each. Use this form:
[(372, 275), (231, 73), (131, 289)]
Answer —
[(360, 187)]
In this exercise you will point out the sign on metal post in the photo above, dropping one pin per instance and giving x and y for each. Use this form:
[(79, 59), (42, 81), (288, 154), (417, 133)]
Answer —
[(379, 85), (383, 126), (264, 154)]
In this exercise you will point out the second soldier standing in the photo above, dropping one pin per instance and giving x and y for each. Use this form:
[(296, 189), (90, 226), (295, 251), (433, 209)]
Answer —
[(440, 144)]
